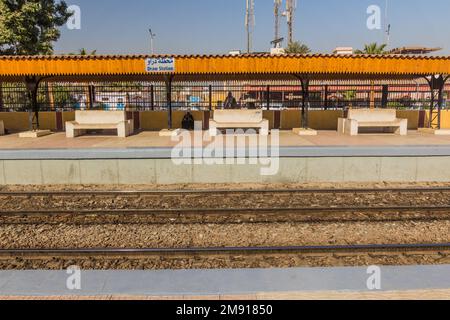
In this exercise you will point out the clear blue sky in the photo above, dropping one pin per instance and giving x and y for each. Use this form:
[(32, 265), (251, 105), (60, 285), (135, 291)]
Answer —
[(217, 26)]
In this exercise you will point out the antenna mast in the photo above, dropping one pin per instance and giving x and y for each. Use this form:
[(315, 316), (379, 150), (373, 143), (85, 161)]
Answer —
[(388, 25), (152, 38), (277, 22), (250, 23), (291, 5)]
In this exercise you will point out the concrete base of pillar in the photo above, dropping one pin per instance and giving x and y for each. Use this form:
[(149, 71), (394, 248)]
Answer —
[(304, 132), (169, 132), (438, 132), (34, 134)]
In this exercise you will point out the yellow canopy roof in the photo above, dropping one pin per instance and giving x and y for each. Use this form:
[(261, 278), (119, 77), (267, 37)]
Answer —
[(221, 67)]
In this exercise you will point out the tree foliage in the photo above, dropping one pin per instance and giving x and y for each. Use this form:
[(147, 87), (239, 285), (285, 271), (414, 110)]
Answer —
[(297, 47), (29, 27), (373, 48)]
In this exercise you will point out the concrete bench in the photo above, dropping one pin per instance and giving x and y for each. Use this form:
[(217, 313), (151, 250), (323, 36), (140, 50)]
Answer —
[(372, 118), (238, 119), (99, 120), (2, 128)]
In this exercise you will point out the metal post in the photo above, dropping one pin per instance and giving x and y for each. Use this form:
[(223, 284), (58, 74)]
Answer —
[(210, 98), (91, 97), (1, 95), (440, 100), (152, 97), (325, 100), (372, 95), (385, 95), (268, 97), (169, 97)]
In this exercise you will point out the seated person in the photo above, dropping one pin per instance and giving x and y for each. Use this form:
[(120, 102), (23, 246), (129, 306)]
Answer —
[(230, 102)]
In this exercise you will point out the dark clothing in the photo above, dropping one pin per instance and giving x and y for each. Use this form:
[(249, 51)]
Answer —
[(230, 103), (188, 122)]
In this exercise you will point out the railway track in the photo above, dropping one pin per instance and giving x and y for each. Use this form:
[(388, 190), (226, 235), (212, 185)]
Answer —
[(230, 215), (221, 211), (221, 191), (107, 208), (327, 249)]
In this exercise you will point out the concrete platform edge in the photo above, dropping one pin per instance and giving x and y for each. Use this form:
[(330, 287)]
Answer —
[(165, 153)]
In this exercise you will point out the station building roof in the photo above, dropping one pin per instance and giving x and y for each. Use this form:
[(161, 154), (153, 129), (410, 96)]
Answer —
[(222, 67)]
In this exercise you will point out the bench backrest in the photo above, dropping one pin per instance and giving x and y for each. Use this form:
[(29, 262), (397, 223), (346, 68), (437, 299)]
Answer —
[(374, 115), (236, 116), (100, 117)]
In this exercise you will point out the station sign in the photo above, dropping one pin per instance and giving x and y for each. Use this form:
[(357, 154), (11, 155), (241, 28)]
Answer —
[(160, 64)]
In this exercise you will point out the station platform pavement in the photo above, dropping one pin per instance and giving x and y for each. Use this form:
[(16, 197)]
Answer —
[(151, 139), (395, 282), (147, 158)]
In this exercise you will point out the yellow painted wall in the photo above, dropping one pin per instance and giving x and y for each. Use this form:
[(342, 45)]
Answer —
[(324, 119), (269, 115), (157, 120), (318, 120), (445, 119), (153, 120), (18, 121), (15, 121), (68, 116), (47, 120), (290, 119), (412, 116)]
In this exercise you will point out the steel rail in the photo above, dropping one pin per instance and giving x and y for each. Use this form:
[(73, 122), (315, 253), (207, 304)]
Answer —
[(220, 191), (219, 211), (248, 250)]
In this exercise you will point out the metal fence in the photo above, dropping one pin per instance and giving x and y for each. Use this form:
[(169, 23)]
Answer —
[(142, 96)]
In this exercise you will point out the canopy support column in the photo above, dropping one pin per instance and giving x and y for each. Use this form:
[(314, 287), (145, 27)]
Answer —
[(304, 125), (32, 84), (305, 102), (437, 83)]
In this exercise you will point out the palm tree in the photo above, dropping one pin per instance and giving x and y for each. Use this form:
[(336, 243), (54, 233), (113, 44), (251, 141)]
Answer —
[(84, 52), (297, 47), (373, 48)]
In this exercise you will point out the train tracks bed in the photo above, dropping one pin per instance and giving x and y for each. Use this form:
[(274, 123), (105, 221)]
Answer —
[(226, 257), (224, 227)]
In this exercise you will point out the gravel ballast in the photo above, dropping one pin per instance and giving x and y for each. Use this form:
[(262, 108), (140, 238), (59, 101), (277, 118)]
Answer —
[(217, 235)]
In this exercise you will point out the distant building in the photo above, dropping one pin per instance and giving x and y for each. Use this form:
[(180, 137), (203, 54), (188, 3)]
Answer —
[(343, 50), (234, 52), (413, 50), (274, 51)]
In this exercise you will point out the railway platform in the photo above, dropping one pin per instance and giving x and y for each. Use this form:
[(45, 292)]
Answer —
[(147, 158), (408, 282)]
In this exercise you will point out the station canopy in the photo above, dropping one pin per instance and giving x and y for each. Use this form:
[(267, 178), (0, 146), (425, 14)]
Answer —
[(200, 68)]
